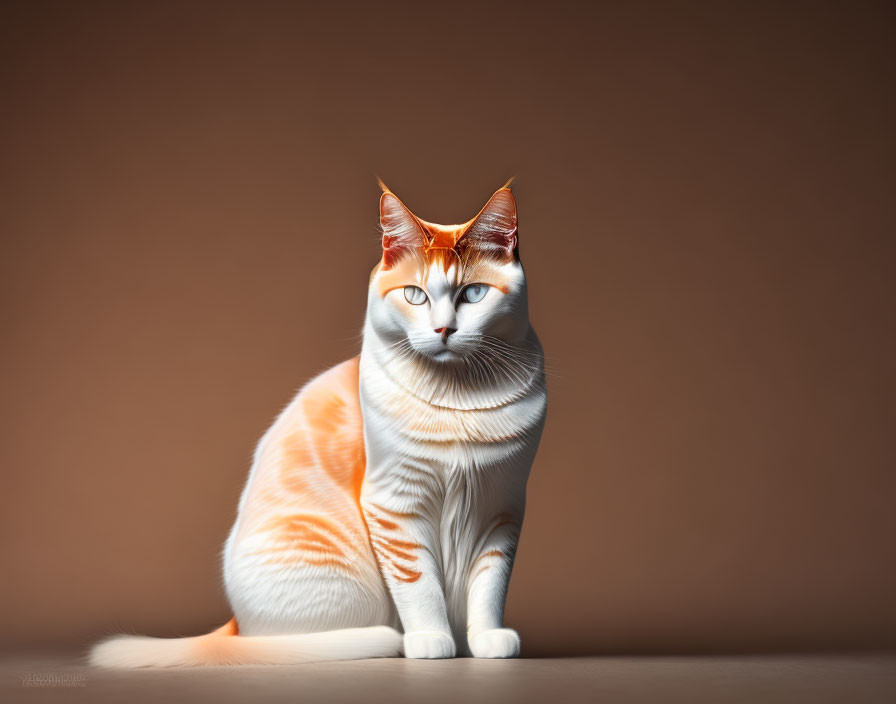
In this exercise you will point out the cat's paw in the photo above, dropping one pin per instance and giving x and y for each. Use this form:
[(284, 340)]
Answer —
[(495, 643), (428, 645)]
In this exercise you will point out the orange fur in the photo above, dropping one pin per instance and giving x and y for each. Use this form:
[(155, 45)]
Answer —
[(305, 509), (388, 549)]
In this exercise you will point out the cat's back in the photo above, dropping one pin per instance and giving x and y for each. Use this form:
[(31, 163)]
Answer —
[(312, 457), (323, 427)]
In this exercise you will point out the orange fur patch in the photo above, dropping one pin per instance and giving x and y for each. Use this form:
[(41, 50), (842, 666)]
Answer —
[(231, 628), (303, 504), (391, 550), (404, 574)]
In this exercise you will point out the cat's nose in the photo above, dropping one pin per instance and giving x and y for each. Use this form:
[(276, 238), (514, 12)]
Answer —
[(445, 332)]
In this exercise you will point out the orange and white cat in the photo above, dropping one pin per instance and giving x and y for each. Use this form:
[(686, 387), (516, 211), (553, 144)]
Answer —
[(390, 493)]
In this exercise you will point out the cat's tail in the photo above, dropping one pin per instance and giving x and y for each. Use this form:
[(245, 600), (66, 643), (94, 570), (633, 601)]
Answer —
[(225, 647)]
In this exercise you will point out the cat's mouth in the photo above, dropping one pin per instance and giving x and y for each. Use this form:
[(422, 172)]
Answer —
[(456, 348), (442, 352), (445, 355)]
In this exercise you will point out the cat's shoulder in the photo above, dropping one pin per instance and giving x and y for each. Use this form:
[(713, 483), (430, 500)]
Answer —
[(336, 383), (332, 393)]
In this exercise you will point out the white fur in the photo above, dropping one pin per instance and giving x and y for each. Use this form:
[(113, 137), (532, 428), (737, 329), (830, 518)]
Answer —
[(461, 465)]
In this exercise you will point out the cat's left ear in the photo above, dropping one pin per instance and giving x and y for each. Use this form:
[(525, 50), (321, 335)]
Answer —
[(494, 230)]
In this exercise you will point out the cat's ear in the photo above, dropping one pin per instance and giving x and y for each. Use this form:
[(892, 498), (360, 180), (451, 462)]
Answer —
[(402, 232), (494, 231)]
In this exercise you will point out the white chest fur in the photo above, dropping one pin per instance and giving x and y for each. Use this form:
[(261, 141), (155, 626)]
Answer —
[(458, 463)]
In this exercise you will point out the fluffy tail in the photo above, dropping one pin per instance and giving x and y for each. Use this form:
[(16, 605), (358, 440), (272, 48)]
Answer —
[(225, 647)]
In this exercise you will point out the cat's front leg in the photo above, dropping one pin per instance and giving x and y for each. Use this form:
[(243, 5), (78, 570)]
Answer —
[(487, 584), (405, 541)]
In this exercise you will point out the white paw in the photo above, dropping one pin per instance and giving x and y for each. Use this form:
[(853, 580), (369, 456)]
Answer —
[(428, 645), (496, 643)]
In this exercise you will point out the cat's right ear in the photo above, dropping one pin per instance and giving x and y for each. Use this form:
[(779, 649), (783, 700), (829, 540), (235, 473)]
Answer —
[(402, 232)]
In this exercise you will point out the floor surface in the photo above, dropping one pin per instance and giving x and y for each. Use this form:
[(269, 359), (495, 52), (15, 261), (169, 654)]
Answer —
[(666, 679)]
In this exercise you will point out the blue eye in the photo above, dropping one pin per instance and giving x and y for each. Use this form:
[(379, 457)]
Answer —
[(414, 295), (474, 293)]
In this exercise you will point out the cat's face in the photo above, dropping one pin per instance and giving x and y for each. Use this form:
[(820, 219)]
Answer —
[(444, 292)]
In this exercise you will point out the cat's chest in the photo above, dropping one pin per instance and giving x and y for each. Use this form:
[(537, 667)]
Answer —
[(399, 422), (466, 433)]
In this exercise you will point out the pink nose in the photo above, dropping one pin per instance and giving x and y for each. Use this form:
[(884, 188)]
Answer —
[(444, 332)]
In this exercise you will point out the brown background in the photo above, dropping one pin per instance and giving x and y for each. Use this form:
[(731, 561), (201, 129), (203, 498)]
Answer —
[(706, 197)]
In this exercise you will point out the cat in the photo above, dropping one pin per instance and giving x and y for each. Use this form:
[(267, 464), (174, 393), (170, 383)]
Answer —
[(390, 493)]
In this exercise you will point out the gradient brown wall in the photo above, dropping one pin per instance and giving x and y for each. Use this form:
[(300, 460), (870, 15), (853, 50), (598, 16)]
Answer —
[(707, 221)]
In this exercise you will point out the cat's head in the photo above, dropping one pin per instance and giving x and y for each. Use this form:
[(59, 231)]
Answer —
[(445, 291)]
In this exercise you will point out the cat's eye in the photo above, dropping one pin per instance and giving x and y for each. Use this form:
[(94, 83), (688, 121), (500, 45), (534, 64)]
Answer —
[(414, 295), (474, 293)]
